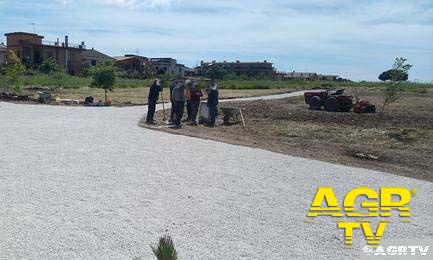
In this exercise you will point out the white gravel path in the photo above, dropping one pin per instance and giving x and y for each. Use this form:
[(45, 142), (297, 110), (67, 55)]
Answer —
[(88, 183)]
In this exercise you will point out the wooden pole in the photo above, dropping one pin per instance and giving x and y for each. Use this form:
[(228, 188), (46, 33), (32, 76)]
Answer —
[(163, 107), (242, 117)]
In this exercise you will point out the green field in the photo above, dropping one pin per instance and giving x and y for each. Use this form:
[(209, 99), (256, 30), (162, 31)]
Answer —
[(73, 82)]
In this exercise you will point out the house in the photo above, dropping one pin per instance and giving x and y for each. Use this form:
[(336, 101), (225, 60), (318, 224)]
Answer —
[(168, 66), (134, 64), (308, 76), (33, 50), (3, 54), (328, 77), (300, 76), (180, 70), (190, 72), (252, 69), (92, 57)]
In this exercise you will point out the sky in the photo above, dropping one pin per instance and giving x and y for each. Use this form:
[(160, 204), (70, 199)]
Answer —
[(354, 39)]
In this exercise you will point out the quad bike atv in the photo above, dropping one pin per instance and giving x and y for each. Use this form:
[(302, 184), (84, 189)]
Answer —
[(332, 102)]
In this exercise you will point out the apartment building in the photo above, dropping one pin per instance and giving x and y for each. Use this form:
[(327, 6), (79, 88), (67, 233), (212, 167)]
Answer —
[(73, 58), (168, 66), (253, 69), (134, 64)]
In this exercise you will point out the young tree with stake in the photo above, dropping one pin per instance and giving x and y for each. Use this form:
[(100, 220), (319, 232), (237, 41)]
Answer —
[(104, 77), (399, 73)]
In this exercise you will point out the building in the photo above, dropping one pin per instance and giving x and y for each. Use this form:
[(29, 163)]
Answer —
[(190, 72), (33, 50), (180, 70), (3, 54), (134, 64), (328, 77), (309, 76), (92, 57), (252, 69), (300, 76), (168, 66)]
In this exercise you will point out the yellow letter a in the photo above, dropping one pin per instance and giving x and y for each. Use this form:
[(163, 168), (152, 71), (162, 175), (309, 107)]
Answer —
[(331, 209)]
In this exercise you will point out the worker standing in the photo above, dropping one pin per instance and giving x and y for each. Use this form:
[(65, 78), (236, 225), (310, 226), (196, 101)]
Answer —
[(172, 110), (179, 103), (188, 86), (212, 103), (195, 95), (152, 100)]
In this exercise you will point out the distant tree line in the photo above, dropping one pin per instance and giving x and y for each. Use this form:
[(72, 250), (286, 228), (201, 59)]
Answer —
[(219, 72)]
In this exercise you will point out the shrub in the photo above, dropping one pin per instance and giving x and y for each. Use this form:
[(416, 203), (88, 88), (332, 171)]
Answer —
[(14, 73), (216, 71), (165, 249), (49, 66)]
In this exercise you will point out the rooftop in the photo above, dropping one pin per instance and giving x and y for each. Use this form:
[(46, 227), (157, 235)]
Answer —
[(236, 62), (92, 53), (123, 57), (24, 33), (162, 59)]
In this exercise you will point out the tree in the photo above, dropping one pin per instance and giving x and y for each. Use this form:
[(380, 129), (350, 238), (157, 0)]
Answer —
[(165, 249), (386, 75), (14, 72), (50, 65), (104, 76), (396, 75), (216, 71)]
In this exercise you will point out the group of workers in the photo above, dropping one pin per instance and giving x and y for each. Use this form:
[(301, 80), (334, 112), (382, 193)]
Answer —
[(182, 92)]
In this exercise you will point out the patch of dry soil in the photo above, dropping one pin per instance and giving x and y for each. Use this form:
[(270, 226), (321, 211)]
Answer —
[(400, 141)]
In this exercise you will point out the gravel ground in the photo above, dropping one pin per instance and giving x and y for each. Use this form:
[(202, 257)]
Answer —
[(88, 183)]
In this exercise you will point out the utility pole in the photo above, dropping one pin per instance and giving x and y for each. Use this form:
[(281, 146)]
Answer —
[(66, 53)]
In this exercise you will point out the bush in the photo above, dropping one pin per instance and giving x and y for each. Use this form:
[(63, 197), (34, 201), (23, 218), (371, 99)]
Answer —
[(216, 71), (49, 66), (165, 249), (14, 72)]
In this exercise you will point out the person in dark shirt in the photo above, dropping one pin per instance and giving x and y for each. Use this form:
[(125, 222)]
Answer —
[(178, 94), (212, 103), (152, 100), (194, 102), (188, 86), (172, 110)]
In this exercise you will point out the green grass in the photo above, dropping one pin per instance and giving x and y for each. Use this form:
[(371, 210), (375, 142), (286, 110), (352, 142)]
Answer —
[(272, 84), (72, 82), (302, 84)]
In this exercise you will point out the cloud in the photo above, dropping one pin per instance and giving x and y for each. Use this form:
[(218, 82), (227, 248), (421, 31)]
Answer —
[(63, 2), (129, 4), (133, 4), (353, 38)]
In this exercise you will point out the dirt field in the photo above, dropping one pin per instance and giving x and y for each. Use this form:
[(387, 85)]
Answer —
[(138, 96), (399, 141)]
